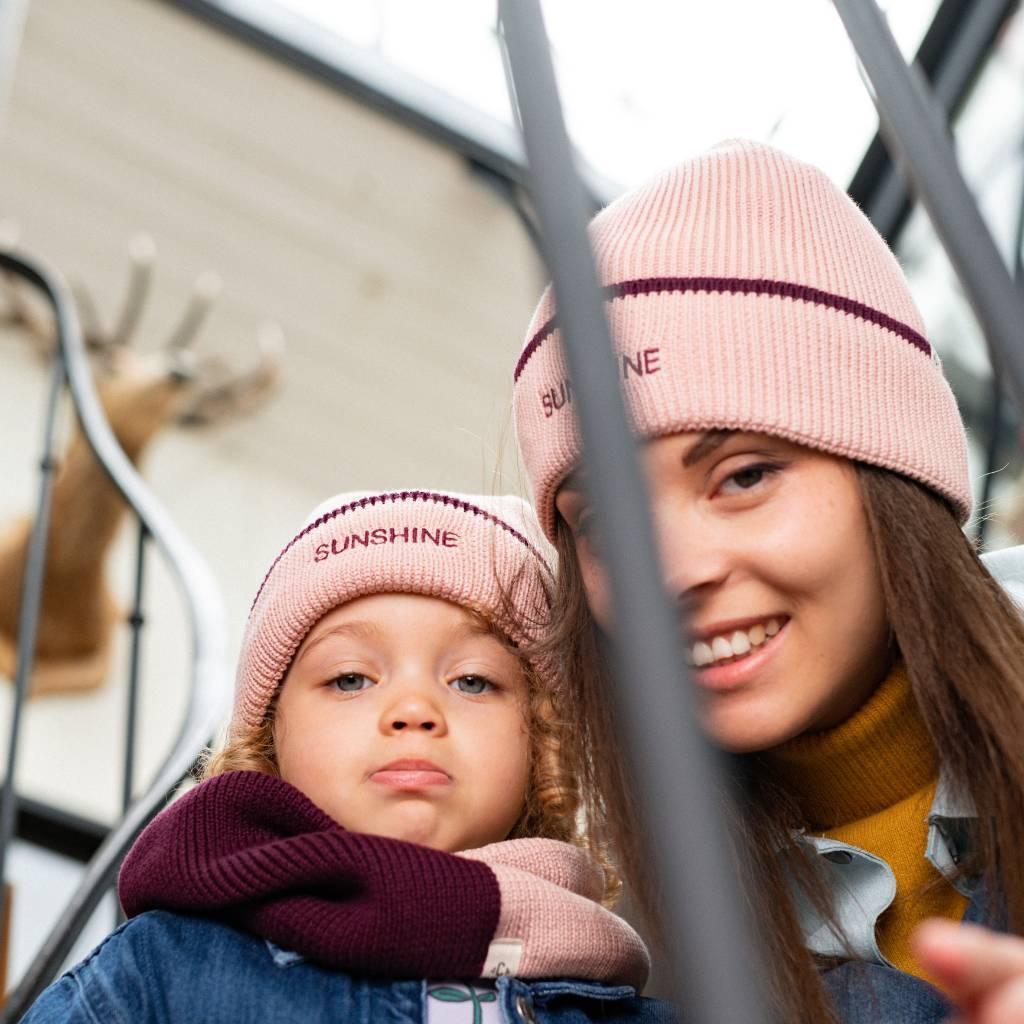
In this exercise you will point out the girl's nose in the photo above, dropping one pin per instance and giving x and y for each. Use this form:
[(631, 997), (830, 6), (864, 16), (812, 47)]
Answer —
[(413, 711)]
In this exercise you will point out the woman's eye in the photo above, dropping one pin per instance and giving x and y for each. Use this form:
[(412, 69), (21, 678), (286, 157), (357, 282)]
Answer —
[(352, 682), (472, 686), (749, 477)]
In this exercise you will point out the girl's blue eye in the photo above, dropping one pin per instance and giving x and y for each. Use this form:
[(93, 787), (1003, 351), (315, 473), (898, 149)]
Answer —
[(352, 682), (472, 686)]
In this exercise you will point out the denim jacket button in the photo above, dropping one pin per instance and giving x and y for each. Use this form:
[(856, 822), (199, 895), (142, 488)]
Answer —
[(525, 1010)]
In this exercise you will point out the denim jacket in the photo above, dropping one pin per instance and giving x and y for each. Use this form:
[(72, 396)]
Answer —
[(164, 968), (871, 989)]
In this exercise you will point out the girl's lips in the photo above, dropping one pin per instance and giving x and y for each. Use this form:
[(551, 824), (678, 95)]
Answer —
[(409, 778), (734, 674), (410, 774)]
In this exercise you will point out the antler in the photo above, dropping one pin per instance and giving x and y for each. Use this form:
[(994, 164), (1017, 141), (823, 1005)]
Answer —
[(214, 388), (221, 392)]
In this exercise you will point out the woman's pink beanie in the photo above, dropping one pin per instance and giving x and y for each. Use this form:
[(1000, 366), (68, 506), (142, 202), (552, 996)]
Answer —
[(746, 291), (476, 551)]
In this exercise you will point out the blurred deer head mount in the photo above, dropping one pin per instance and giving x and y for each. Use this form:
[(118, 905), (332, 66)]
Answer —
[(210, 388), (141, 393)]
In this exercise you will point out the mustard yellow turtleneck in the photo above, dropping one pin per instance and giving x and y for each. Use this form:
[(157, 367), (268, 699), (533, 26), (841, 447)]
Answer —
[(870, 783)]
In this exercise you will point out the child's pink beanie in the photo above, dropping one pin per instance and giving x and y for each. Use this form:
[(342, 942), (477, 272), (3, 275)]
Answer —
[(476, 551), (746, 291)]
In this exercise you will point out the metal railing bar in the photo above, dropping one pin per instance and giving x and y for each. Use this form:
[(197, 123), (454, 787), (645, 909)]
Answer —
[(136, 621), (876, 163), (209, 683), (60, 831), (678, 781), (30, 606), (890, 203), (917, 133)]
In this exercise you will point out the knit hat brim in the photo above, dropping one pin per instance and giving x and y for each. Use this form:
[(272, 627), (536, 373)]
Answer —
[(486, 555), (804, 371)]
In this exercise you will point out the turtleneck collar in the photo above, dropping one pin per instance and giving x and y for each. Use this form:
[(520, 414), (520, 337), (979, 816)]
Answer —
[(876, 758)]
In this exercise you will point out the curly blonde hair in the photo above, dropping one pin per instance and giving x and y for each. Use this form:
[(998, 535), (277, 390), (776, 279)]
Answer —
[(553, 808)]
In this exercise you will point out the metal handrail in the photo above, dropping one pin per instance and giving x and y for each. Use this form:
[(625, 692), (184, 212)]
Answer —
[(703, 920), (917, 135), (677, 774), (208, 688)]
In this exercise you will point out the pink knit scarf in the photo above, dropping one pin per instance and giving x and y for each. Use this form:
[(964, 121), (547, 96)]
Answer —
[(252, 850)]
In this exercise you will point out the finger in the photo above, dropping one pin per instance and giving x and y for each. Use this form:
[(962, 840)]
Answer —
[(1004, 1006), (966, 960)]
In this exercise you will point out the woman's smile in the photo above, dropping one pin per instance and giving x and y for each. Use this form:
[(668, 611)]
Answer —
[(726, 661)]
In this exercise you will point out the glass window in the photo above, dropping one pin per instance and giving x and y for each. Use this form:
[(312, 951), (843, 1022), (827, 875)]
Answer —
[(643, 83)]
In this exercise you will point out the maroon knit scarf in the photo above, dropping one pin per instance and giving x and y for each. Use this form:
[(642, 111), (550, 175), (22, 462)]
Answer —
[(252, 850)]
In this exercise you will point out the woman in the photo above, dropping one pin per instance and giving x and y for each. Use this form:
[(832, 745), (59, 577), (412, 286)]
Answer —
[(808, 475)]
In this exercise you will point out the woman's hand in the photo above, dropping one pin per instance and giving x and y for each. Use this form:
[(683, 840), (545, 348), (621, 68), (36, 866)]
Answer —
[(980, 970)]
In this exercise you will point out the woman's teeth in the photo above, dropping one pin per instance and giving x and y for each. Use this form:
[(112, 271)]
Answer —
[(735, 645)]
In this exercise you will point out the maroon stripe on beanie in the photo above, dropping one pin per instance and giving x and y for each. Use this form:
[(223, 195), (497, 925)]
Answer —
[(372, 499), (737, 286)]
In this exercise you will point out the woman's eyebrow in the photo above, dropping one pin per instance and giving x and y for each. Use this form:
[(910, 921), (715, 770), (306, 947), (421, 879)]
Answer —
[(705, 445)]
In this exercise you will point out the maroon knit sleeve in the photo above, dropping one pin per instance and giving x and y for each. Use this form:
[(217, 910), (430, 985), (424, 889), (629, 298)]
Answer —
[(252, 850)]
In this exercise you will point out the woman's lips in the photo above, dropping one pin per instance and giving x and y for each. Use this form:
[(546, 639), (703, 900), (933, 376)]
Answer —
[(410, 775), (733, 674)]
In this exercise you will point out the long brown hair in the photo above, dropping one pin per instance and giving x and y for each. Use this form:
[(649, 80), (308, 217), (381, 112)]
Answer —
[(963, 643)]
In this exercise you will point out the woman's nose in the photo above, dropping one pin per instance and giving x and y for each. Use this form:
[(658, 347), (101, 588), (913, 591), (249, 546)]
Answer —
[(694, 558), (413, 711)]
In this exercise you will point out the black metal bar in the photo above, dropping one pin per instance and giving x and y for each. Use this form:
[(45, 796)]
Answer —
[(135, 622), (916, 132), (953, 50), (210, 686), (59, 831), (717, 962), (30, 605)]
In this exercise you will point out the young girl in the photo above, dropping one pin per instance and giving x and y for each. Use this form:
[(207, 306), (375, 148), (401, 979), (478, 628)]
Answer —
[(808, 476), (384, 719)]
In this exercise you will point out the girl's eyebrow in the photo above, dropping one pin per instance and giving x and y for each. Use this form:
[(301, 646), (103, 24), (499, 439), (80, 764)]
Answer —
[(704, 446), (359, 630)]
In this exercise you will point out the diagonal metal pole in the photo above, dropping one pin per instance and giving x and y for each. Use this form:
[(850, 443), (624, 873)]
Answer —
[(30, 610), (980, 24), (717, 975), (918, 137)]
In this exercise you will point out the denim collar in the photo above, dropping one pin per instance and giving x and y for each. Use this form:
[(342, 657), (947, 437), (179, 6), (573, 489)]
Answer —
[(863, 885)]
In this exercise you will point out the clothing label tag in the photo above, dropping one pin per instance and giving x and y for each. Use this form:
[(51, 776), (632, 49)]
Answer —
[(503, 958)]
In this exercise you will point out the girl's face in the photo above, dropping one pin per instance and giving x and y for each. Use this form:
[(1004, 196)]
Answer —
[(766, 545), (403, 716)]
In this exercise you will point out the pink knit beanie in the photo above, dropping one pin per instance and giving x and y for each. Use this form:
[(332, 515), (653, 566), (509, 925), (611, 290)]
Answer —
[(476, 551), (746, 291)]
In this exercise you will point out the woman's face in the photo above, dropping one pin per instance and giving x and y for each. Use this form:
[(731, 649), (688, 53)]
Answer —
[(404, 716), (765, 544)]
